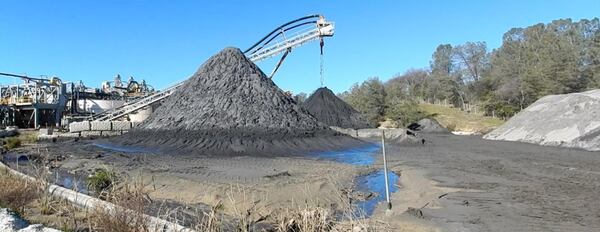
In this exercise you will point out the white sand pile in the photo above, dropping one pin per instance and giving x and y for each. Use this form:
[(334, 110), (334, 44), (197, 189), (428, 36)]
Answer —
[(568, 120)]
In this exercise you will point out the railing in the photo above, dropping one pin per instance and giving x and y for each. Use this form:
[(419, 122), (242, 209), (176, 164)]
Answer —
[(298, 39)]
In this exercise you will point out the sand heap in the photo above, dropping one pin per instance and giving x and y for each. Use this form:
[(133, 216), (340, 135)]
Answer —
[(230, 106), (568, 120), (333, 111)]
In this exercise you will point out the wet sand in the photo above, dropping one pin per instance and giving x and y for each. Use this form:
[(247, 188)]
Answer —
[(465, 183), (270, 183)]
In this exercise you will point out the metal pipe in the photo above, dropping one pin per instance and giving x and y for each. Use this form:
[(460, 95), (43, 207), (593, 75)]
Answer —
[(21, 76)]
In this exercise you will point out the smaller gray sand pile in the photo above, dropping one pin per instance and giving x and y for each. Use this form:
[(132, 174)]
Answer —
[(229, 106), (333, 111), (428, 125), (568, 120)]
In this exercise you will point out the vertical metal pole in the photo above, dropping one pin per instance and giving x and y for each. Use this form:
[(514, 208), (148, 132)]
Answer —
[(57, 117), (385, 175), (35, 117)]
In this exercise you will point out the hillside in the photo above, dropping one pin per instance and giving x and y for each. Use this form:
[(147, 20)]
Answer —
[(457, 120)]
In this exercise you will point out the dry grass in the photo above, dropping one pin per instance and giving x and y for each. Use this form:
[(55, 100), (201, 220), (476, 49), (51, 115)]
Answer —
[(309, 219), (28, 137), (32, 200), (246, 209), (16, 193), (246, 213), (23, 138), (64, 216), (309, 216), (211, 221), (133, 199)]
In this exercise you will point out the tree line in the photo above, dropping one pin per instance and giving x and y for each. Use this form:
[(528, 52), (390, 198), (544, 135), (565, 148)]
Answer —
[(555, 58)]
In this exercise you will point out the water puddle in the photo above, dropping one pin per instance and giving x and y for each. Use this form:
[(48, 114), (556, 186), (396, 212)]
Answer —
[(375, 183), (371, 183), (361, 156), (70, 181), (21, 163), (15, 158)]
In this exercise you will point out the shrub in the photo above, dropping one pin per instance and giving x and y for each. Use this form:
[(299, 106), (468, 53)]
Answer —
[(102, 180), (12, 142), (405, 112)]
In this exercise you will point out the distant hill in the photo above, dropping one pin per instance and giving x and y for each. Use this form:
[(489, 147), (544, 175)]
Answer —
[(457, 120)]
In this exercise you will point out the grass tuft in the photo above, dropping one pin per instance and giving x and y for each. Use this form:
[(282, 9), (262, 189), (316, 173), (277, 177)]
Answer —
[(102, 180), (11, 143), (130, 218)]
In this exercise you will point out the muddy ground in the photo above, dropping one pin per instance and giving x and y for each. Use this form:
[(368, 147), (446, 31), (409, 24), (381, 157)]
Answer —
[(500, 186), (266, 184), (460, 183)]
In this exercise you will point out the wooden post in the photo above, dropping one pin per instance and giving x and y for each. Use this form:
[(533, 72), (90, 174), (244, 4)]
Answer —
[(387, 186)]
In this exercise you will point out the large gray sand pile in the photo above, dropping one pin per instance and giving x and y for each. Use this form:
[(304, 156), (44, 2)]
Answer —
[(333, 111), (568, 120), (229, 106)]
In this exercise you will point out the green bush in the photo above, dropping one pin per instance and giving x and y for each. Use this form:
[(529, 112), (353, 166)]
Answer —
[(12, 142), (102, 180), (405, 112)]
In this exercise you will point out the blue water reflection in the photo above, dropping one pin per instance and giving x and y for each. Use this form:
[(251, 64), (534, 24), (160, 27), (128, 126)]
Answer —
[(373, 182), (364, 155)]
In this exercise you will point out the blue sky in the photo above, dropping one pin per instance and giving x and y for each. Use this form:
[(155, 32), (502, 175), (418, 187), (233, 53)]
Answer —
[(166, 41)]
